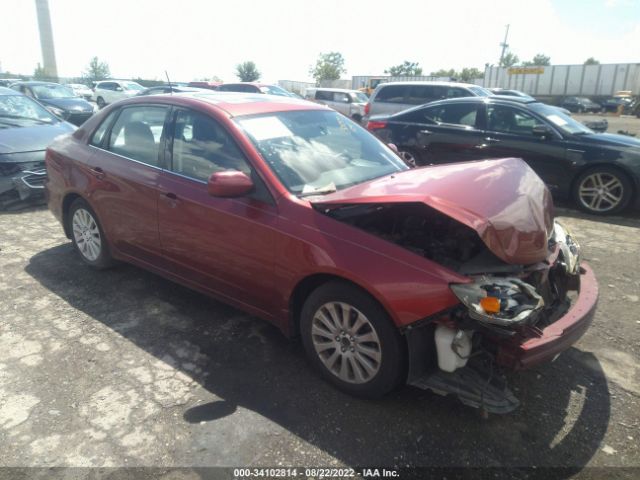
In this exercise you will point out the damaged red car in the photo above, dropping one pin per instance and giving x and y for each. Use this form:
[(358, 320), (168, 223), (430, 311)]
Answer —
[(443, 277)]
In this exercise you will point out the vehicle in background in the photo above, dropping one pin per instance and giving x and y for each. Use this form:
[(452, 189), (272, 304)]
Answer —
[(80, 90), (161, 89), (26, 129), (58, 99), (204, 84), (350, 103), (621, 101), (441, 277), (599, 171), (252, 87), (371, 85), (109, 91), (394, 97), (510, 93), (580, 105), (6, 82)]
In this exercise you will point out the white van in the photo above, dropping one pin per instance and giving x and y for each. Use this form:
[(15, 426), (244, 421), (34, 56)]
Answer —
[(350, 103)]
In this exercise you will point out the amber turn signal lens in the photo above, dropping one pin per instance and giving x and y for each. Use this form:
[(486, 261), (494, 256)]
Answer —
[(490, 304)]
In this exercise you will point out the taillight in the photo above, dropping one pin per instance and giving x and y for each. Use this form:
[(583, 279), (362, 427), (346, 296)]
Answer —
[(376, 125), (367, 107)]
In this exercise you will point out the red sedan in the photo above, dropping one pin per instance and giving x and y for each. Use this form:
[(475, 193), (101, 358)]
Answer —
[(444, 277)]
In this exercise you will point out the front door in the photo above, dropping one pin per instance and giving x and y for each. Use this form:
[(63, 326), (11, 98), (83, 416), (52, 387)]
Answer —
[(225, 245)]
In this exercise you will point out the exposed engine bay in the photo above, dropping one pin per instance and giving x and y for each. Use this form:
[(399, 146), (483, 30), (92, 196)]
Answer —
[(503, 302)]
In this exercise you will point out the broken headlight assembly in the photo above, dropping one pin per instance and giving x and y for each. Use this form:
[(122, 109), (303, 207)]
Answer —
[(503, 301), (568, 246)]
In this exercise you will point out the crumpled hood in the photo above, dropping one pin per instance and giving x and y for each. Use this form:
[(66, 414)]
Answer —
[(503, 200), (31, 138)]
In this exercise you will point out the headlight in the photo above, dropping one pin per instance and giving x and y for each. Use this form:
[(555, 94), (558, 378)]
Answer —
[(501, 301), (58, 112), (568, 246)]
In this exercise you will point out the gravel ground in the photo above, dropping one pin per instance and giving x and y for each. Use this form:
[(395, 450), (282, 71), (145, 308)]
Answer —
[(626, 123), (123, 368)]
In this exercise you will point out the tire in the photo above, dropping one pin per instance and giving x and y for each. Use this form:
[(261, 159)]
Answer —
[(602, 191), (87, 235), (101, 103), (409, 156), (366, 357), (357, 118)]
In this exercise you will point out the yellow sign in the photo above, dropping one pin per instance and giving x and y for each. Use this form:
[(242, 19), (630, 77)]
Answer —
[(525, 70)]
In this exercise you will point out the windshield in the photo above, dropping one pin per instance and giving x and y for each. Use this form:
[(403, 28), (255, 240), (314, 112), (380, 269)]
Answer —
[(481, 92), (359, 97), (132, 86), (559, 119), (45, 92), (19, 111), (317, 151), (273, 90)]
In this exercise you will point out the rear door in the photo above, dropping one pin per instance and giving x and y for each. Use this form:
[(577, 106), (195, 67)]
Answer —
[(441, 133), (509, 133), (224, 245), (126, 168)]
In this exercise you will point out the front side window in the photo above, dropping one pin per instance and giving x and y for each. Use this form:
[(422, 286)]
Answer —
[(137, 133), (503, 119), (341, 97), (202, 147), (316, 151), (132, 86), (359, 97), (274, 90)]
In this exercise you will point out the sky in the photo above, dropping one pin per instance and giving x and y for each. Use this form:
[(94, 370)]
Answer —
[(194, 39)]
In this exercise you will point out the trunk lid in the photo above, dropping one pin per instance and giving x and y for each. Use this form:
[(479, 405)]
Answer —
[(503, 200)]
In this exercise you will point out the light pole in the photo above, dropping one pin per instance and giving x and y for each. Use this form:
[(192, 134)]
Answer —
[(46, 39), (504, 45)]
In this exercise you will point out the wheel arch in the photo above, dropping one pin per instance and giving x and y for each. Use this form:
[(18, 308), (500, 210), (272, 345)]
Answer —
[(67, 201)]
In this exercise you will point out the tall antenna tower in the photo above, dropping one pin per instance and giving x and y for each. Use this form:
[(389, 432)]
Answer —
[(46, 39), (504, 45)]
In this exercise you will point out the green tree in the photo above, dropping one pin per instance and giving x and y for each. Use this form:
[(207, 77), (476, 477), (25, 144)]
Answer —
[(445, 73), (247, 72), (509, 60), (96, 70), (468, 74), (329, 66), (405, 69), (540, 59), (591, 61), (40, 73)]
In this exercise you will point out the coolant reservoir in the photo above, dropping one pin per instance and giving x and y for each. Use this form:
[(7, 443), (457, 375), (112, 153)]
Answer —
[(448, 359)]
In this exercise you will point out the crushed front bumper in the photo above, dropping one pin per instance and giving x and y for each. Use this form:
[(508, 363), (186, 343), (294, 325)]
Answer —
[(23, 183), (519, 354)]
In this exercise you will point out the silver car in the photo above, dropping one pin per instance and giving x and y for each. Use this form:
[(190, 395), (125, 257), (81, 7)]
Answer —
[(350, 103)]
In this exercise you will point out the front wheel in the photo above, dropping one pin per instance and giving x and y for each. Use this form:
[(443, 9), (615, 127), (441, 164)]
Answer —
[(101, 103), (87, 235), (408, 156), (351, 340), (602, 191)]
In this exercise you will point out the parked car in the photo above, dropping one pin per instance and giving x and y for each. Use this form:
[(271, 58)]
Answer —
[(440, 276), (26, 128), (580, 105), (161, 89), (348, 102), (599, 171), (510, 93), (58, 99), (6, 82), (251, 87), (394, 97), (80, 90), (621, 101), (205, 84), (109, 91)]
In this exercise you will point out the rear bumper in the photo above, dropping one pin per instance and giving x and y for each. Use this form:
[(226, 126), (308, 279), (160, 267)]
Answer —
[(558, 336)]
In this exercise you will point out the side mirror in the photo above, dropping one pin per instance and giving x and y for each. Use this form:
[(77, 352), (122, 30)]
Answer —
[(118, 89), (231, 183), (541, 131)]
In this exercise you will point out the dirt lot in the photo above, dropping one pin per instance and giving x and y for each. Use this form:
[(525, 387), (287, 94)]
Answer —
[(123, 368), (626, 123)]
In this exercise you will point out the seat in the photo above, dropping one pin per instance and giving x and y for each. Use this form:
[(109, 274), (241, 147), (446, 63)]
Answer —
[(139, 143)]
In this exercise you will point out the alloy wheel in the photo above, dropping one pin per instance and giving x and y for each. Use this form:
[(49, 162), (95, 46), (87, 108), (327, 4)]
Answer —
[(601, 192), (346, 342), (86, 234), (408, 158)]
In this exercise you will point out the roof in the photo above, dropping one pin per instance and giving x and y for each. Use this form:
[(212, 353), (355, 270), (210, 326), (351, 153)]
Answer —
[(34, 82), (8, 91), (426, 82), (502, 99), (340, 90), (237, 104)]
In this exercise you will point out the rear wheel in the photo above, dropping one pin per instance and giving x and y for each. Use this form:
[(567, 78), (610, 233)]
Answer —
[(87, 235), (602, 191), (100, 101), (351, 340)]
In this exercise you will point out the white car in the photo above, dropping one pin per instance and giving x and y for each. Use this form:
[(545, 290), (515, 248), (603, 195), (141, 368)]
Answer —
[(348, 102), (109, 91), (80, 90)]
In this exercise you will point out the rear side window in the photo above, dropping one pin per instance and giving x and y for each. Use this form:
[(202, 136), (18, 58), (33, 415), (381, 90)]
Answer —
[(137, 133), (98, 136), (392, 94), (455, 114), (324, 95), (419, 94)]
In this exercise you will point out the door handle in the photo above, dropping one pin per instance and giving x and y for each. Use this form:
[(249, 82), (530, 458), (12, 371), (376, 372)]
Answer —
[(97, 172), (492, 140), (426, 132), (171, 198)]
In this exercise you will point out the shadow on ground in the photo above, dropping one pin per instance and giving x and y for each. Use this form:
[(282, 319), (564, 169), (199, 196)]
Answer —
[(562, 420)]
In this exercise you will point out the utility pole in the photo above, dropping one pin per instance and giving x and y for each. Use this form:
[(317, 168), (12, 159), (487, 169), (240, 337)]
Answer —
[(46, 39), (504, 46)]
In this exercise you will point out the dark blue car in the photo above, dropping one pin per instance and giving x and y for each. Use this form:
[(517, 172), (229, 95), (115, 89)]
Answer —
[(26, 129)]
